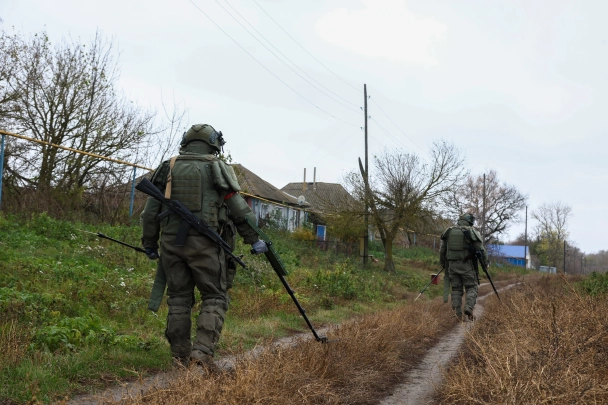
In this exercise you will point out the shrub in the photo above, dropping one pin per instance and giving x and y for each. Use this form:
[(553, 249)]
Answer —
[(596, 284), (70, 333), (303, 234)]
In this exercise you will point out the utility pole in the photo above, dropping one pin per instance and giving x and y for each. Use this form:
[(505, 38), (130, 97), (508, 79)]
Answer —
[(564, 256), (366, 180), (526, 239), (483, 225)]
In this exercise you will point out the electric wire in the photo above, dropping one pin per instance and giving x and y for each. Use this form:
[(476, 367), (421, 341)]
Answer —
[(267, 69), (305, 50), (283, 55), (397, 126), (387, 133), (275, 55)]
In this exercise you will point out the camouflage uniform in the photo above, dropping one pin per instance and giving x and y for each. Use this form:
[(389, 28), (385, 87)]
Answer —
[(209, 189), (458, 246)]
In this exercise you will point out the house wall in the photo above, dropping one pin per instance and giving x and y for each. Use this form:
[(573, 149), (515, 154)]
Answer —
[(289, 217)]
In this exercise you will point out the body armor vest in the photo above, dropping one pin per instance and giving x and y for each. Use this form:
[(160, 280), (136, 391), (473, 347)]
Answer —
[(457, 245), (191, 181)]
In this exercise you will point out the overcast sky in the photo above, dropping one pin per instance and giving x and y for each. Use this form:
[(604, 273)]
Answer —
[(520, 87)]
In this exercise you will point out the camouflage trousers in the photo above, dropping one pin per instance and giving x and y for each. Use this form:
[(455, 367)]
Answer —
[(201, 264), (463, 275)]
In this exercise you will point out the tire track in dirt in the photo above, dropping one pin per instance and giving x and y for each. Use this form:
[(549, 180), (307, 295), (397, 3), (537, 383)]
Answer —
[(421, 381)]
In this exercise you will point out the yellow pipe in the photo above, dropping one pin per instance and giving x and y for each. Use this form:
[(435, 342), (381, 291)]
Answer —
[(75, 150)]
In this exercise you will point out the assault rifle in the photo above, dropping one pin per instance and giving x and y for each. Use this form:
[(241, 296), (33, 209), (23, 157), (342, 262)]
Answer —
[(279, 268), (189, 220), (479, 258)]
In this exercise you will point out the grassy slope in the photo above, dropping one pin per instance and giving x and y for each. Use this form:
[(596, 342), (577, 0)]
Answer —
[(73, 311)]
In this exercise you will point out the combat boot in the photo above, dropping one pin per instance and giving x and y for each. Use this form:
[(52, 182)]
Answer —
[(181, 362), (202, 359), (468, 313)]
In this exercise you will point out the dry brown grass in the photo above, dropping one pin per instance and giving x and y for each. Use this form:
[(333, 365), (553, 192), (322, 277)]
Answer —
[(13, 343), (545, 344), (363, 360)]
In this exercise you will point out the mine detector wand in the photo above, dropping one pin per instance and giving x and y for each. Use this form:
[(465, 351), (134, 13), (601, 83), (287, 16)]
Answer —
[(427, 286), (101, 235), (279, 267)]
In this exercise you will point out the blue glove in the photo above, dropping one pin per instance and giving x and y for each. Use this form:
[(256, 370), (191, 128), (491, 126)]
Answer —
[(259, 247), (152, 253)]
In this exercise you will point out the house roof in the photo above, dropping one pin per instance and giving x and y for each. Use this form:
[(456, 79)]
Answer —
[(320, 195), (253, 184), (508, 250)]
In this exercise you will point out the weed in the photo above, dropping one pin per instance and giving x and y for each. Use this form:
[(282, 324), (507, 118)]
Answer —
[(544, 343)]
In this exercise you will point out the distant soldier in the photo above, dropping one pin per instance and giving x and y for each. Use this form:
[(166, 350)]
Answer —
[(209, 189), (458, 246)]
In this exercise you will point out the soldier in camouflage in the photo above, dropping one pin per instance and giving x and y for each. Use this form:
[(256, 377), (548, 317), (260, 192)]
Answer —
[(458, 246), (209, 188)]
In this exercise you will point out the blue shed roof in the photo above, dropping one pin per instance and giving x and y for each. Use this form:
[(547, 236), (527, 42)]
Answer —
[(507, 250)]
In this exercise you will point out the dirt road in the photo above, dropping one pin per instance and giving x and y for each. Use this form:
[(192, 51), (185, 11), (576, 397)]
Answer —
[(418, 387), (420, 382)]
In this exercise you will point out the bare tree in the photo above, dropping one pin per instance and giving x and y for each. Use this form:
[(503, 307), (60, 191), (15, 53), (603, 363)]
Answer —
[(68, 96), (551, 231), (11, 48), (168, 136), (404, 189), (496, 205)]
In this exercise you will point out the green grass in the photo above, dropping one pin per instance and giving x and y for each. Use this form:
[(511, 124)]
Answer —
[(73, 307)]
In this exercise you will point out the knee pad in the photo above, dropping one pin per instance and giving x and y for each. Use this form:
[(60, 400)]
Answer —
[(220, 303), (186, 300)]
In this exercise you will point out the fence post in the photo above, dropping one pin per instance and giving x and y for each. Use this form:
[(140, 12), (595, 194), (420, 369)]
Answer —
[(1, 167), (132, 192)]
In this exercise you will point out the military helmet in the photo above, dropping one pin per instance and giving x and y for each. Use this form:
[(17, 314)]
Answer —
[(205, 133), (470, 218)]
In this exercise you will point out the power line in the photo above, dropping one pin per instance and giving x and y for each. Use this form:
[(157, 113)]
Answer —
[(268, 70), (305, 50), (392, 137), (389, 118), (283, 55), (273, 54)]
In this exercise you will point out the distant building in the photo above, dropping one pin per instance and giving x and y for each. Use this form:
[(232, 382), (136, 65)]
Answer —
[(319, 197), (268, 202), (515, 255), (548, 269)]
